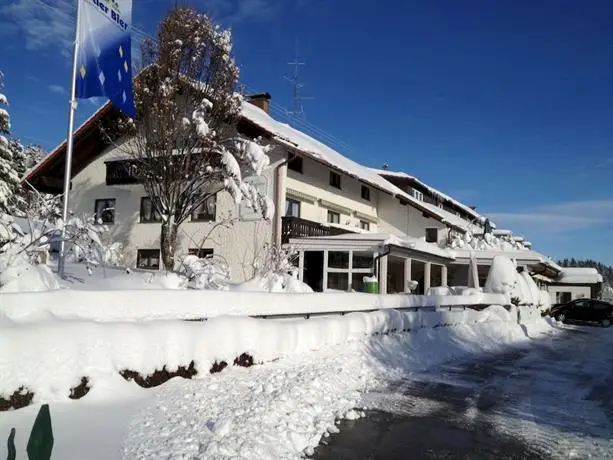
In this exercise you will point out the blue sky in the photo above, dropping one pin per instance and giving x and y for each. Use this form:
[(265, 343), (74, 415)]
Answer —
[(506, 105)]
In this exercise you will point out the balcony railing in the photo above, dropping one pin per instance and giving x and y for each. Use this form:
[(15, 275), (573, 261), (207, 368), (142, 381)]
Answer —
[(295, 227)]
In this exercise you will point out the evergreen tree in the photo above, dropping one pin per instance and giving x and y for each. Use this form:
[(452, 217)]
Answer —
[(9, 177)]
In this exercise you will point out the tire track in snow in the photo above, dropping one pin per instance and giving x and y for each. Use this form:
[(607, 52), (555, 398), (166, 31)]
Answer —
[(554, 400)]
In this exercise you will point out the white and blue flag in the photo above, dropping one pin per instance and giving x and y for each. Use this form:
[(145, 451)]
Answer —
[(104, 61)]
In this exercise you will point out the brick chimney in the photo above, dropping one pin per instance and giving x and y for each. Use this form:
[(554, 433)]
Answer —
[(261, 100)]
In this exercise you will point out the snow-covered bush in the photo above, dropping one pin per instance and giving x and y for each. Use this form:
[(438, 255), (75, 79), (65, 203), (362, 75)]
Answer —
[(277, 272), (211, 272), (470, 241), (25, 244), (21, 257), (503, 278)]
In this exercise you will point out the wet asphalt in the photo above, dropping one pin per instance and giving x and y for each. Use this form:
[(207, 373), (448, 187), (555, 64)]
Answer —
[(551, 400)]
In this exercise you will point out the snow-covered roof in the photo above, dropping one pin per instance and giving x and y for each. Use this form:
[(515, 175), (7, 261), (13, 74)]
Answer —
[(377, 239), (523, 256), (403, 175), (450, 217), (315, 149), (579, 275), (502, 232)]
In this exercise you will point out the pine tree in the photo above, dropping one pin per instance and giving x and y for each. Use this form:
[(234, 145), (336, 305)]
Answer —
[(9, 177)]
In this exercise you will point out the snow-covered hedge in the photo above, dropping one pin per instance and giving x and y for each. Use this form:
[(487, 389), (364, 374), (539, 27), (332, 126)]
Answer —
[(50, 356), (519, 288)]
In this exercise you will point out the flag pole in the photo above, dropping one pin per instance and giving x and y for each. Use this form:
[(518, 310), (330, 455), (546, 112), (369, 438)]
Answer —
[(72, 107)]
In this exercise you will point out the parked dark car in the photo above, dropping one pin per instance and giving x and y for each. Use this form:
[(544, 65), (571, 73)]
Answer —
[(584, 310)]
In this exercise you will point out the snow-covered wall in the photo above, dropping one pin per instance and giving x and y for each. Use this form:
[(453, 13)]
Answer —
[(145, 305), (575, 292), (406, 220), (239, 244), (99, 351)]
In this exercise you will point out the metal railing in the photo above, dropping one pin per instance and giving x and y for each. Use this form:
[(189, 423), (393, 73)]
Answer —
[(295, 227)]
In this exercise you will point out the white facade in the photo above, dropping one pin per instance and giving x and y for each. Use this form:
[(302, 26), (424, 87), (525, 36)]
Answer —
[(312, 188), (242, 243), (566, 293)]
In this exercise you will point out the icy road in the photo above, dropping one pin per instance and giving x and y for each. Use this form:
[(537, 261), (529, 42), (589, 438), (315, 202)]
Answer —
[(552, 400)]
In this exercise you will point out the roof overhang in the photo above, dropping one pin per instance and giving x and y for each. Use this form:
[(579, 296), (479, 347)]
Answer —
[(48, 175), (371, 242), (538, 262)]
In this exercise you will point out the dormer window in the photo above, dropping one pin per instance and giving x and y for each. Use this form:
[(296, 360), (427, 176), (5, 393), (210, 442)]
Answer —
[(417, 194)]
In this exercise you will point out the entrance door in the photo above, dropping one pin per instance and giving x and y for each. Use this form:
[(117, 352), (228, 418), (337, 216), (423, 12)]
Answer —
[(313, 274)]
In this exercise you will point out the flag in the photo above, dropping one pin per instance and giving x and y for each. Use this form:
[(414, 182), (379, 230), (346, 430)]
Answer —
[(104, 60)]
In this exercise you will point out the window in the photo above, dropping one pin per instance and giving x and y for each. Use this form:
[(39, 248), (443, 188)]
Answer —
[(334, 217), (417, 194), (365, 193), (147, 211), (335, 179), (121, 172), (432, 235), (345, 270), (364, 225), (105, 211), (338, 259), (148, 259), (292, 208), (206, 211), (338, 281), (583, 304), (295, 163), (200, 252)]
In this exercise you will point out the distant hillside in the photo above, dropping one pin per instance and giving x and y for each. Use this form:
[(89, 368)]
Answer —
[(605, 270)]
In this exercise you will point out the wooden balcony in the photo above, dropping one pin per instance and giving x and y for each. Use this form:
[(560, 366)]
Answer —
[(295, 227)]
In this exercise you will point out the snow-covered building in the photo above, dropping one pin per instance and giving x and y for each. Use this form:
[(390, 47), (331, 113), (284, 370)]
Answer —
[(317, 192), (345, 220), (575, 283)]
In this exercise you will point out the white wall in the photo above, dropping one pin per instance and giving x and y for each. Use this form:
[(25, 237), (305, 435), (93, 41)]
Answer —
[(398, 219), (315, 181), (240, 244), (577, 292)]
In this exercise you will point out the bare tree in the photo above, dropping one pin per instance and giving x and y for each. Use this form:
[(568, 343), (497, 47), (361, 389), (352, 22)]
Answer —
[(184, 147)]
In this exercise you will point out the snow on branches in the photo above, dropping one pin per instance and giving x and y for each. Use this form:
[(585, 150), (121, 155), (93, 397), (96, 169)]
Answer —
[(184, 141), (9, 177)]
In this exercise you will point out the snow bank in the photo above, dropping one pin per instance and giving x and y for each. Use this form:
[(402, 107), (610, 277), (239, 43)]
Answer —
[(141, 305), (278, 410), (50, 356)]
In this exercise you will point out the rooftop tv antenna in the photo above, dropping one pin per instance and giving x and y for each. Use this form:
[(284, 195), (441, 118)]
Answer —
[(297, 111)]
